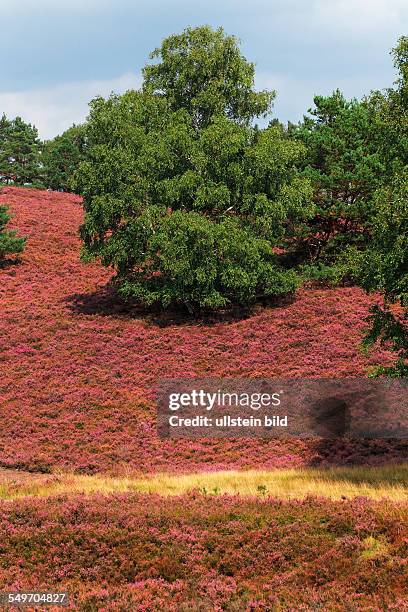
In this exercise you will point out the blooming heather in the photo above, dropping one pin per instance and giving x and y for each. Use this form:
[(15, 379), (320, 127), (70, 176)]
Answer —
[(135, 552), (79, 368)]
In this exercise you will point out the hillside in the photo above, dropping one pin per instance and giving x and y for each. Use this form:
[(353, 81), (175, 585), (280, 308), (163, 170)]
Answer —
[(80, 369), (84, 502)]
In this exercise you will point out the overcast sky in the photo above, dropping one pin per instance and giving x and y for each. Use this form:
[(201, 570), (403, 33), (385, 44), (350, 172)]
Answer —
[(59, 54)]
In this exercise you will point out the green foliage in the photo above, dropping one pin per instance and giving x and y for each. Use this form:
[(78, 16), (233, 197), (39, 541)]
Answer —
[(357, 160), (183, 197), (345, 270), (10, 243), (392, 333), (390, 108), (20, 152), (385, 263), (61, 157), (200, 262), (384, 267), (203, 72), (345, 168)]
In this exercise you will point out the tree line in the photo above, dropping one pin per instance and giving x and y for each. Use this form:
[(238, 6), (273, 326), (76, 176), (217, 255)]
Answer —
[(26, 160), (193, 204)]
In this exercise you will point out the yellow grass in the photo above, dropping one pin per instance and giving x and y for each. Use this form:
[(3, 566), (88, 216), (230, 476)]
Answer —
[(374, 548), (375, 482)]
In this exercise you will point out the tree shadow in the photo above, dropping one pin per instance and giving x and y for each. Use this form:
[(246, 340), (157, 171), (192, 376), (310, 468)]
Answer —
[(346, 437), (330, 418), (106, 302), (358, 452), (10, 262)]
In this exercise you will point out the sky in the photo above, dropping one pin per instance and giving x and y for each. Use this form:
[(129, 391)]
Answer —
[(59, 54)]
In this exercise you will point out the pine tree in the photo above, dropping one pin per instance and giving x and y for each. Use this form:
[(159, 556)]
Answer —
[(62, 156), (20, 151), (10, 243), (5, 166)]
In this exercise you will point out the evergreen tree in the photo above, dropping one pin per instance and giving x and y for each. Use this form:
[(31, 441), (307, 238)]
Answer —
[(5, 126), (61, 157), (20, 151), (10, 243), (345, 166)]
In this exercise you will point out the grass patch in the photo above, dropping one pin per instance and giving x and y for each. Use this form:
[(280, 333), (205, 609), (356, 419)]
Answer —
[(389, 482), (373, 548)]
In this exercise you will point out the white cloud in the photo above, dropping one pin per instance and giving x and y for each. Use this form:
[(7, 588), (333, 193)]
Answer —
[(302, 47), (367, 16), (54, 109), (295, 95)]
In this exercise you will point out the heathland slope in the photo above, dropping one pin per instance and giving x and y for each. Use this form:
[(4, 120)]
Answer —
[(79, 369), (78, 374)]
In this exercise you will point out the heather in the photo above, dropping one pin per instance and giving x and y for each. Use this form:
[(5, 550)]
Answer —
[(139, 552), (79, 368)]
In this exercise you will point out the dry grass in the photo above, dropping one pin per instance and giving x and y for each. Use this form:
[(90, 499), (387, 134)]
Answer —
[(373, 548), (389, 482)]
